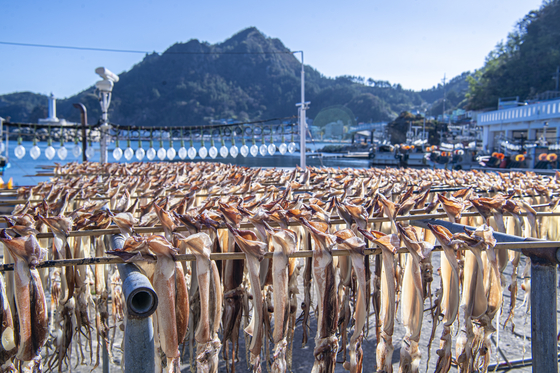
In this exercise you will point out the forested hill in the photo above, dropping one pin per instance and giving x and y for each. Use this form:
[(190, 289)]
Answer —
[(187, 84), (524, 64)]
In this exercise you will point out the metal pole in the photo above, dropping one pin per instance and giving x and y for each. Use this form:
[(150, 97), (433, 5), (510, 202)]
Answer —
[(103, 143), (443, 111), (83, 119), (103, 139), (424, 132), (106, 362), (7, 145), (302, 118), (105, 102), (141, 302), (543, 316)]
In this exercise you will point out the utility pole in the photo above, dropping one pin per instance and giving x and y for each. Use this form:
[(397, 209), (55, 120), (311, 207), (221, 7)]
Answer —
[(424, 132), (443, 113), (302, 123), (556, 77)]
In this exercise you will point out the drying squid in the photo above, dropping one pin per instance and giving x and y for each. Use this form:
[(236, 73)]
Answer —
[(8, 348), (474, 301), (412, 297), (326, 342), (284, 242), (61, 226), (233, 289), (452, 207), (208, 343), (30, 300), (254, 252), (307, 277), (389, 245), (493, 289), (166, 288), (348, 240), (126, 222), (514, 257), (450, 297)]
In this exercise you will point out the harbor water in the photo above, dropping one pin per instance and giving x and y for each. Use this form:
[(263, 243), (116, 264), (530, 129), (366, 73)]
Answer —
[(23, 170)]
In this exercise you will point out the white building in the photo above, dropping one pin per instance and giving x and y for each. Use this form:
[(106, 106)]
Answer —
[(527, 122)]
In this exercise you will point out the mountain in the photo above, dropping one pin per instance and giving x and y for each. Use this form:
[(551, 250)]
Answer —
[(524, 64), (190, 84), (23, 106)]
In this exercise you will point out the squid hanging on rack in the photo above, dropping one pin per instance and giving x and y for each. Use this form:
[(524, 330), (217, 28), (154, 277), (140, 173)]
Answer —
[(8, 347), (254, 252), (30, 302), (210, 288), (450, 296), (474, 302), (326, 342), (412, 297), (284, 242), (348, 240), (233, 289), (389, 245)]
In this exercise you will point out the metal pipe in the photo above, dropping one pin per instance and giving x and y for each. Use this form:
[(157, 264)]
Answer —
[(141, 302), (512, 364), (456, 228), (141, 299), (83, 118), (106, 362)]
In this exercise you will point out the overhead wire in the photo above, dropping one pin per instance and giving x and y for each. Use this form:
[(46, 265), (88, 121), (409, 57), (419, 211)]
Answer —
[(133, 51)]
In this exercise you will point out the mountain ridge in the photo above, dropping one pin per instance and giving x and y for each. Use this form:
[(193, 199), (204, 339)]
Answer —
[(191, 83)]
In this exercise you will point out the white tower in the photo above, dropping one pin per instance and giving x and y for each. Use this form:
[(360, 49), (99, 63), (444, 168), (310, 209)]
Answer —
[(52, 109)]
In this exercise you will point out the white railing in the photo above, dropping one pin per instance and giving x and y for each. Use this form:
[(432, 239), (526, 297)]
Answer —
[(534, 112)]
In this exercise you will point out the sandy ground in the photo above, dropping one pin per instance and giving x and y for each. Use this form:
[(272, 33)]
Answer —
[(513, 346)]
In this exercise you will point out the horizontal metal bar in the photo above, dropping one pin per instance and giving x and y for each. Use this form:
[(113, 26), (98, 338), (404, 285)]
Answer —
[(298, 254), (336, 221), (549, 254), (456, 228)]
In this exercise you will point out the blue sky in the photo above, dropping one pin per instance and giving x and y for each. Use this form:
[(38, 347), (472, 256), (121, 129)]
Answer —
[(410, 42)]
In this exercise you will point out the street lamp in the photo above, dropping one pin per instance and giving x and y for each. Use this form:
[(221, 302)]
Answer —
[(302, 107), (104, 90)]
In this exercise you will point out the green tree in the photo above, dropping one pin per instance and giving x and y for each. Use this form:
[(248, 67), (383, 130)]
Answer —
[(522, 65)]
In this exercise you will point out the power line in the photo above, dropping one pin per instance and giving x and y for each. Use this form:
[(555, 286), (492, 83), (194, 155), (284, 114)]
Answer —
[(127, 50)]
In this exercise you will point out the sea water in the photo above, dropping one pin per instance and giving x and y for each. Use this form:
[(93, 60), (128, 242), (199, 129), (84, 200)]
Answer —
[(23, 170)]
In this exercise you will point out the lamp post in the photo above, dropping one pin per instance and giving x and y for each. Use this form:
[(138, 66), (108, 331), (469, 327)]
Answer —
[(302, 107), (104, 91)]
